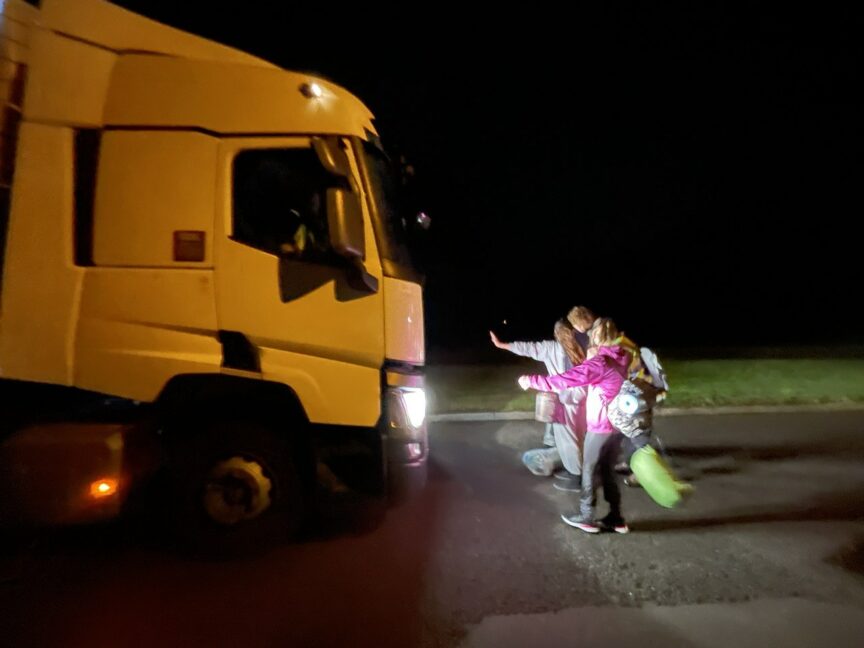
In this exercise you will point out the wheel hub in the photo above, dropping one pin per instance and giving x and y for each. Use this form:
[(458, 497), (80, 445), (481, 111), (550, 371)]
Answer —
[(236, 489)]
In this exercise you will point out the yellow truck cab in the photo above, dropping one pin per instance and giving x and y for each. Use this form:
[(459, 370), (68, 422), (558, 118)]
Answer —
[(200, 248)]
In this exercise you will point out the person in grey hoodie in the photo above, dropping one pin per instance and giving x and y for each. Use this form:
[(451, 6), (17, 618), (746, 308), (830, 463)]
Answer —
[(564, 436)]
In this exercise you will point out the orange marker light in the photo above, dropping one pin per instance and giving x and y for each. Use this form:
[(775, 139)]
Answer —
[(103, 488)]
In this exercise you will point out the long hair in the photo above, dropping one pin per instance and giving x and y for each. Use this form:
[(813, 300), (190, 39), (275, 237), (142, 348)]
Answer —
[(564, 334)]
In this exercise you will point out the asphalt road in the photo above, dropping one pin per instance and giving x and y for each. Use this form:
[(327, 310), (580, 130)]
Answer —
[(770, 550)]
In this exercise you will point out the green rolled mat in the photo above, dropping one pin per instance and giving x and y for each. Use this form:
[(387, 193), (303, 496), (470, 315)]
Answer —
[(657, 478)]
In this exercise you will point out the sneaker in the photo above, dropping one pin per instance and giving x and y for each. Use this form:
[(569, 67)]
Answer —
[(616, 524), (632, 481), (570, 485), (562, 473), (541, 461), (583, 524)]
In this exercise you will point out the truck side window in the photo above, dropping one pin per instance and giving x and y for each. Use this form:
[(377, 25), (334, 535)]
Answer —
[(280, 201)]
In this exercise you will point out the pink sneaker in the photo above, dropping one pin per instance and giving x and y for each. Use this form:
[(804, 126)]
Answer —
[(616, 524), (588, 526)]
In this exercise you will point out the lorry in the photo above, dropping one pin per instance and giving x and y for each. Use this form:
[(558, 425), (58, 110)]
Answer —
[(203, 274)]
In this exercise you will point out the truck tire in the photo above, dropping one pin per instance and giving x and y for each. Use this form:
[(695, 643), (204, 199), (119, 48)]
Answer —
[(235, 489)]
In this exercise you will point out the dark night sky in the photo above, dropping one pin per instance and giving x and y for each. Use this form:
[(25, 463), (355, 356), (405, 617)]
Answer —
[(692, 173)]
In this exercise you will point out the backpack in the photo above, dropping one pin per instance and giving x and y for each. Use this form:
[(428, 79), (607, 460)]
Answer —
[(651, 364), (631, 411)]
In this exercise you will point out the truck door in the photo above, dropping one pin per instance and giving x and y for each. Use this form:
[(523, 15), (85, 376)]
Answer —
[(285, 304)]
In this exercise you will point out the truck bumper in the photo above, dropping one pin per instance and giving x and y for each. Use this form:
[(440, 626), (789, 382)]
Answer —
[(72, 473), (405, 481)]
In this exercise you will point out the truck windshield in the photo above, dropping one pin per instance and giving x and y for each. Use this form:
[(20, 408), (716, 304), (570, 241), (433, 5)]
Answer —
[(390, 219)]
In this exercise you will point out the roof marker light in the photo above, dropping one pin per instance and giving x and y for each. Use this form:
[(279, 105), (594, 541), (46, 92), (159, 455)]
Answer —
[(311, 90)]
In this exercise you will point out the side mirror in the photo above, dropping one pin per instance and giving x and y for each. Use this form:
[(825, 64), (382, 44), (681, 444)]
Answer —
[(345, 221), (345, 215)]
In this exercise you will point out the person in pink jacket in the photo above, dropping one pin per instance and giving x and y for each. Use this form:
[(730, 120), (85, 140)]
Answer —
[(603, 375)]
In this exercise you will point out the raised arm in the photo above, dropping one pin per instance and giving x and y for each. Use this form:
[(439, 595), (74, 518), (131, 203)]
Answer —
[(540, 351)]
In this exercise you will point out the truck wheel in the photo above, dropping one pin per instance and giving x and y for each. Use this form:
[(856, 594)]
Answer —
[(236, 490)]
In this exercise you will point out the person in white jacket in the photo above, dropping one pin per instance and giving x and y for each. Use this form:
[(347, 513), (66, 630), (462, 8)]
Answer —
[(563, 438)]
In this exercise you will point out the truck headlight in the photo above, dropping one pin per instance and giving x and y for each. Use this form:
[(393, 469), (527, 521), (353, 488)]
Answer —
[(414, 401), (406, 410)]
